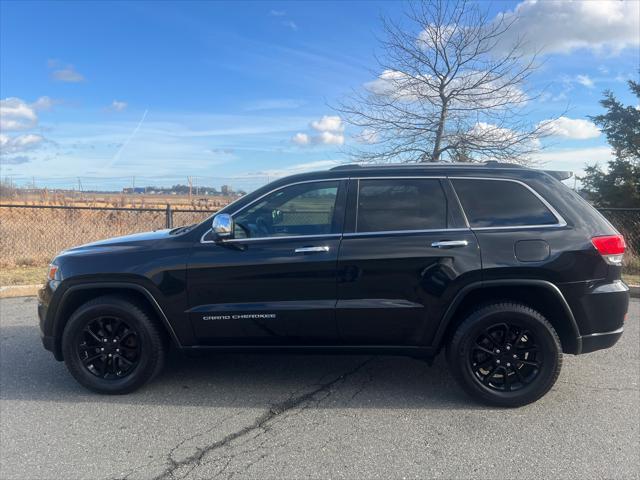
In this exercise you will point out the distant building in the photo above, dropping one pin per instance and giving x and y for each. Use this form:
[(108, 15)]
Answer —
[(133, 190), (226, 190)]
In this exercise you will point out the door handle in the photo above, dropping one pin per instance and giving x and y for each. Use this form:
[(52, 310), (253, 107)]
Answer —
[(450, 244), (323, 248)]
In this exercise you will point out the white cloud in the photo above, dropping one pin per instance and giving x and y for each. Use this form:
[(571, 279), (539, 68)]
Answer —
[(409, 88), (574, 160), (301, 139), (64, 73), (563, 26), (573, 128), (330, 138), (392, 83), (16, 114), (585, 80), (328, 123), (69, 75), (20, 143), (43, 103), (290, 24), (330, 132), (493, 133), (277, 13), (118, 106)]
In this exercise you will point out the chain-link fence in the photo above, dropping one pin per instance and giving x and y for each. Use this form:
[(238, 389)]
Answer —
[(627, 221), (32, 235)]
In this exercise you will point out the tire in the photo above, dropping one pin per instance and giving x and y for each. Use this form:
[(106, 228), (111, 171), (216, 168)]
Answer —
[(505, 355), (130, 336)]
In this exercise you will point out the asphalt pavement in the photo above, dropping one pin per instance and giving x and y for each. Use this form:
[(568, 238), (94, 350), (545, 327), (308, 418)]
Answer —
[(283, 416)]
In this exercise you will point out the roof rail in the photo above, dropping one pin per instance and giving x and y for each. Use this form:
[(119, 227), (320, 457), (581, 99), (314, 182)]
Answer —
[(490, 163), (495, 163), (347, 166)]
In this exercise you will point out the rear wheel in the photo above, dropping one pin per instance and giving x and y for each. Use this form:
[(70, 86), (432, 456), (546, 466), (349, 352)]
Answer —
[(506, 354), (111, 345)]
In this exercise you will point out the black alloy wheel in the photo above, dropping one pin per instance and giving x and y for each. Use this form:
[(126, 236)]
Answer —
[(505, 357), (505, 354), (109, 347), (114, 344)]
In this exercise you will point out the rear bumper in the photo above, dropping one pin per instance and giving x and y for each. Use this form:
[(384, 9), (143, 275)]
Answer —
[(599, 310), (598, 341)]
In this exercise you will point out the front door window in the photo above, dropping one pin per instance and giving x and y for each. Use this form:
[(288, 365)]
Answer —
[(302, 209)]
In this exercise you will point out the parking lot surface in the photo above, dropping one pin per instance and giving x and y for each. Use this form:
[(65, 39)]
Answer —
[(275, 416)]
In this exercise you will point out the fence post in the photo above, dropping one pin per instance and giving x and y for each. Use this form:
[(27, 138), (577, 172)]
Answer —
[(169, 217)]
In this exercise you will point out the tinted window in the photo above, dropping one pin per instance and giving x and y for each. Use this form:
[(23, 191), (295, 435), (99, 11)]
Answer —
[(401, 204), (495, 203), (303, 209)]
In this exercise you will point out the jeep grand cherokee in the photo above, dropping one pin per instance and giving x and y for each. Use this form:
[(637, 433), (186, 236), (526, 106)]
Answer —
[(504, 267)]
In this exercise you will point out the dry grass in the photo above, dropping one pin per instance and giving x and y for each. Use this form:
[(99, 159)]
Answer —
[(22, 275), (32, 236), (631, 279)]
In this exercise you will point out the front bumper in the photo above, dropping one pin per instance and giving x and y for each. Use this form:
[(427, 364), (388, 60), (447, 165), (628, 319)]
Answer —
[(48, 340)]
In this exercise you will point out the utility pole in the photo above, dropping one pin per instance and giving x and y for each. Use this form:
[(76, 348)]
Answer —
[(190, 186)]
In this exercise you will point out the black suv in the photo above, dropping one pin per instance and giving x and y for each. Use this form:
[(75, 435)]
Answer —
[(504, 266)]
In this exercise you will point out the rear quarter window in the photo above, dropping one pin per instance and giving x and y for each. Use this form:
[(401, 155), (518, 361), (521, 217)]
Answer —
[(500, 203)]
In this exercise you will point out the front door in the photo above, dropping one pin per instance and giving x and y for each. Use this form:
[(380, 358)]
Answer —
[(274, 282), (407, 252)]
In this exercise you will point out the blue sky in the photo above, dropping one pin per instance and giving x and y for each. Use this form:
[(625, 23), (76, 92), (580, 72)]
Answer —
[(216, 90)]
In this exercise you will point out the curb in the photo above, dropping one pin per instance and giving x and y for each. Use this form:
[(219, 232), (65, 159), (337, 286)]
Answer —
[(634, 291), (11, 291)]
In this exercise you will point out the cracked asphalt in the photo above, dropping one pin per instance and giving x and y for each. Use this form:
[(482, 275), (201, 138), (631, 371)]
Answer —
[(280, 416)]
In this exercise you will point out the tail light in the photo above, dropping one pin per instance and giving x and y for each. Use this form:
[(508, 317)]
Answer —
[(611, 247)]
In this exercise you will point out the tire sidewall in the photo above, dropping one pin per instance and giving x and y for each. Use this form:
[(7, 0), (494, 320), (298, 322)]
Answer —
[(544, 336), (71, 338)]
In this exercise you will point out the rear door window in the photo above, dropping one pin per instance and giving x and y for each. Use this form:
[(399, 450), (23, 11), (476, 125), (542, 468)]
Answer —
[(401, 204), (499, 203)]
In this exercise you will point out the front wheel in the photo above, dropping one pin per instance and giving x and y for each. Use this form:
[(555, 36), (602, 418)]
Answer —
[(110, 345), (506, 355)]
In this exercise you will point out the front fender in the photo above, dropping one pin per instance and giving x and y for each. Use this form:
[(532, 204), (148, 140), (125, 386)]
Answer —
[(67, 298)]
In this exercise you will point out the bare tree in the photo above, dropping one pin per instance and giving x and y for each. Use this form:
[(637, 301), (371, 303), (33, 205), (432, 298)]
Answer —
[(452, 88)]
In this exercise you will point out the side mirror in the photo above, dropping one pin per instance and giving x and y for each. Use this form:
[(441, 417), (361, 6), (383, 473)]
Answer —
[(222, 226)]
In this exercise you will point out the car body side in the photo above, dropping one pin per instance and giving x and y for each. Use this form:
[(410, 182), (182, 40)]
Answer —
[(177, 275)]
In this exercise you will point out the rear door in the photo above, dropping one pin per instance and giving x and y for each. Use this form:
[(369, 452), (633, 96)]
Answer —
[(405, 252)]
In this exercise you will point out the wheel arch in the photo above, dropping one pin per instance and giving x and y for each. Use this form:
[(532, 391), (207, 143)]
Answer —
[(540, 295), (77, 295)]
